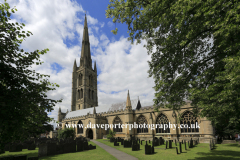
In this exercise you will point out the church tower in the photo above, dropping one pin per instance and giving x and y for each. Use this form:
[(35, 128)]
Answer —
[(84, 78)]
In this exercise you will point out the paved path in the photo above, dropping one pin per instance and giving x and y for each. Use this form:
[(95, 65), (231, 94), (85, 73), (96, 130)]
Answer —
[(116, 153)]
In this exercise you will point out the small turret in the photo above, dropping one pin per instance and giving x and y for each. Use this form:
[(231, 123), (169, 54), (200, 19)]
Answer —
[(138, 104), (128, 104), (59, 115), (95, 67), (74, 66)]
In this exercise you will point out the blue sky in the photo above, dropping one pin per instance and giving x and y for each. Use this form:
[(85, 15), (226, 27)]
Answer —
[(58, 26)]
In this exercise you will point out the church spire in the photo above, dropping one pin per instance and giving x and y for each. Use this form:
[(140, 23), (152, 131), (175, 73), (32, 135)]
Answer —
[(85, 41)]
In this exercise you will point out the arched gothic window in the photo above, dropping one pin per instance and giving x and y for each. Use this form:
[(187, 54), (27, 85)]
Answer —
[(92, 94), (81, 93), (89, 94), (117, 127), (161, 120), (90, 80), (190, 122), (80, 80), (80, 127), (141, 121)]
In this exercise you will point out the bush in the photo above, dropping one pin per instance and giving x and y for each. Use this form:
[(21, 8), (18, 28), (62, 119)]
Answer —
[(66, 133), (111, 134)]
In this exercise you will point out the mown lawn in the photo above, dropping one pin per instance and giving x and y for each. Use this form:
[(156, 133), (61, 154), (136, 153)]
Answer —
[(94, 154), (199, 152)]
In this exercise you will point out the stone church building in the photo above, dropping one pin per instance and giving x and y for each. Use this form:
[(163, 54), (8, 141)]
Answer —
[(85, 109)]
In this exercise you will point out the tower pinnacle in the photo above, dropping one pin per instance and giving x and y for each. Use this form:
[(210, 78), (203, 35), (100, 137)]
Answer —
[(128, 104)]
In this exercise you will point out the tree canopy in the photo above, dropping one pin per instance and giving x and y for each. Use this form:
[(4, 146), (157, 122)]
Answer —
[(23, 99), (194, 47)]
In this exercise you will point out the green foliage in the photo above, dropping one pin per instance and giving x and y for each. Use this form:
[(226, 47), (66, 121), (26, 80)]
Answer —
[(191, 45), (23, 99), (111, 134), (66, 133), (220, 101)]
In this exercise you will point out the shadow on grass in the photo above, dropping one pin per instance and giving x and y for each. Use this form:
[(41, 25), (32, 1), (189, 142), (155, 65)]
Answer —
[(20, 153), (218, 155), (233, 145)]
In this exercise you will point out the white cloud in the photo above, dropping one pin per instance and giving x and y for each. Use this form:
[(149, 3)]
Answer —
[(91, 20), (123, 66), (110, 24), (102, 24)]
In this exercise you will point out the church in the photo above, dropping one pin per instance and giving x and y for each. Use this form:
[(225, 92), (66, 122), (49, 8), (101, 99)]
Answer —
[(85, 110)]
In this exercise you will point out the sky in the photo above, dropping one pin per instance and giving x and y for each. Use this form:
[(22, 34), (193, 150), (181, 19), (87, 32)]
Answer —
[(58, 26)]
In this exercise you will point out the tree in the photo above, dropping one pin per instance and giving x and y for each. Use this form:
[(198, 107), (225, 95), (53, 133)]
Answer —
[(66, 133), (23, 99), (191, 40), (220, 101), (111, 134)]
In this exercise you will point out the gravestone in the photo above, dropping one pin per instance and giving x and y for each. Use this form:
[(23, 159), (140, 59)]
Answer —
[(25, 146), (122, 141), (79, 145), (72, 146), (91, 147), (135, 147), (177, 150), (191, 143), (175, 142), (146, 142), (180, 147), (148, 149), (185, 145), (7, 146), (116, 143), (156, 142), (210, 146), (166, 144), (161, 140), (31, 147), (15, 148), (85, 145), (170, 143), (152, 149), (60, 148), (127, 144), (47, 149)]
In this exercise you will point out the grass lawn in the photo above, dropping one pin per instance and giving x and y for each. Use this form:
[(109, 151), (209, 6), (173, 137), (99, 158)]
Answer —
[(97, 153), (199, 152)]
